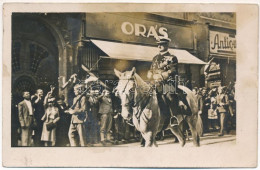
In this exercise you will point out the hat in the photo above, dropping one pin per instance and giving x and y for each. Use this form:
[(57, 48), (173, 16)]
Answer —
[(51, 100), (214, 89), (162, 40), (79, 86), (105, 90)]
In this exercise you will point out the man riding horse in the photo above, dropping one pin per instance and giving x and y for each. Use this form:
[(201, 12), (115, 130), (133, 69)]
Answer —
[(164, 74)]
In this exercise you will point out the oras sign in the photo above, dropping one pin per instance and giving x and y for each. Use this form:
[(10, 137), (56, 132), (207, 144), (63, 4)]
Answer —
[(136, 29), (222, 43)]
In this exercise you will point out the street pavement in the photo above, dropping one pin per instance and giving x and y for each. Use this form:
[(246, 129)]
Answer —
[(208, 140)]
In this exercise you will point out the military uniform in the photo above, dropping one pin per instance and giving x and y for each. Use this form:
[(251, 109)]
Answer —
[(164, 73)]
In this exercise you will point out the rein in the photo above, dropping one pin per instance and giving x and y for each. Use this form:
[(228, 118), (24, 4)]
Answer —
[(135, 103)]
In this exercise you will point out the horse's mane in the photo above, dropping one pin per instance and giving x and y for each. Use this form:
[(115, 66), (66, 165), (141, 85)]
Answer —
[(141, 83)]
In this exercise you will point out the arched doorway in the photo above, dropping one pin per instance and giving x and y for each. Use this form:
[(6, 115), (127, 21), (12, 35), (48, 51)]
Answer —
[(34, 56), (35, 60)]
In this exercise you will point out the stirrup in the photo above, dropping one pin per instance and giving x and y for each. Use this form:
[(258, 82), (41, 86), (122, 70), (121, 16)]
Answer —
[(174, 121), (183, 105), (130, 123)]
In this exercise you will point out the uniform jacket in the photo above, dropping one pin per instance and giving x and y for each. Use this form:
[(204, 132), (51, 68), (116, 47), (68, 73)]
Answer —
[(93, 104), (165, 63), (23, 114), (105, 106), (222, 102), (80, 110)]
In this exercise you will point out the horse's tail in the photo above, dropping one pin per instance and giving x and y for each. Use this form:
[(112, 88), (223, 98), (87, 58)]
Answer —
[(193, 103), (194, 118)]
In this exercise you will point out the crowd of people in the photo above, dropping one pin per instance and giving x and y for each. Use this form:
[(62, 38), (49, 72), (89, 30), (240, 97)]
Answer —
[(93, 118), (217, 109)]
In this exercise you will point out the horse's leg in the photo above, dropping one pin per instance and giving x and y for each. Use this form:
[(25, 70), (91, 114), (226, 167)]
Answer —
[(154, 140), (177, 132), (184, 128), (155, 143), (195, 134), (142, 141), (148, 139), (187, 135)]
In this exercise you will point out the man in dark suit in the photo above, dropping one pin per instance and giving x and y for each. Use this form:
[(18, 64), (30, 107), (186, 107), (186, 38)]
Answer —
[(93, 106), (77, 130), (37, 101), (63, 124), (117, 118), (26, 119), (106, 110)]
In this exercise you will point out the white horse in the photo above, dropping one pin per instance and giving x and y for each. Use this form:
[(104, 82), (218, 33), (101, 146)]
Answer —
[(139, 103)]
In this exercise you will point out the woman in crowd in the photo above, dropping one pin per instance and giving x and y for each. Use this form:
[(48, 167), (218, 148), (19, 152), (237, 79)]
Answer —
[(212, 111), (50, 118)]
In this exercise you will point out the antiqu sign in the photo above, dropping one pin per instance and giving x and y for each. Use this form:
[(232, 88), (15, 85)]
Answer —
[(222, 43), (125, 27)]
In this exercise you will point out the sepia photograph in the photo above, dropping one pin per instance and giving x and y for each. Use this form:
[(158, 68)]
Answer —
[(71, 84), (123, 80)]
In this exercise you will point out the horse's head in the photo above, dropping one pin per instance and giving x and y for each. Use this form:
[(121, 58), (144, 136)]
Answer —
[(125, 90)]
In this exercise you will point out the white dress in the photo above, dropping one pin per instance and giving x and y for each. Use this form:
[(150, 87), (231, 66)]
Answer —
[(51, 115)]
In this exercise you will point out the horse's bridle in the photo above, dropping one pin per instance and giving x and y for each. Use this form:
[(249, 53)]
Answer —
[(131, 103)]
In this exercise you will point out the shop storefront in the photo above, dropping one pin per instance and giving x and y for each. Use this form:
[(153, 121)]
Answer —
[(222, 70), (126, 40)]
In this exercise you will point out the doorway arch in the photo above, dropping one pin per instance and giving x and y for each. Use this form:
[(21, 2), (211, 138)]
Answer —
[(37, 44)]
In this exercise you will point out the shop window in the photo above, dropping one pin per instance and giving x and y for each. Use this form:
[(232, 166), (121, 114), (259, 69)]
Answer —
[(90, 56)]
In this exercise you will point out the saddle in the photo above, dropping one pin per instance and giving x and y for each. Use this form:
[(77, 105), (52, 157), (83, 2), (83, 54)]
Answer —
[(169, 105)]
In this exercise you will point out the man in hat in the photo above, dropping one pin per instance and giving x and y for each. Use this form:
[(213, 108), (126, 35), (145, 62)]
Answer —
[(77, 130), (222, 105), (37, 102), (164, 73), (93, 106), (106, 111)]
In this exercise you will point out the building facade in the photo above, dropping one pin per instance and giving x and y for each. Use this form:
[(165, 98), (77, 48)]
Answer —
[(48, 48)]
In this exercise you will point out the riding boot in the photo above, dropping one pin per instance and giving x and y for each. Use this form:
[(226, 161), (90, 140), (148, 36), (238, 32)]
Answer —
[(182, 97), (173, 107), (163, 105), (173, 104)]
